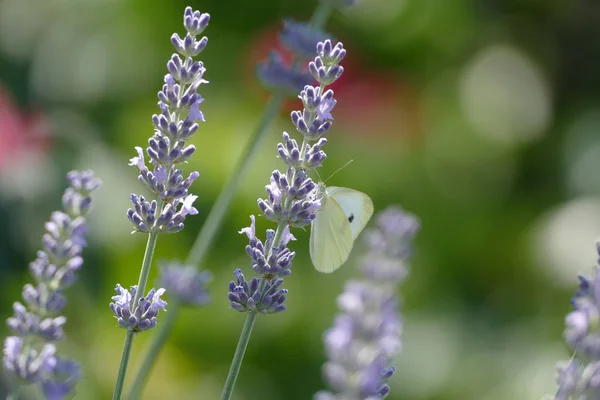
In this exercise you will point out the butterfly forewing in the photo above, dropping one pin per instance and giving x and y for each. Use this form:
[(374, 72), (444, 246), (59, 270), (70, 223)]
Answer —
[(356, 206)]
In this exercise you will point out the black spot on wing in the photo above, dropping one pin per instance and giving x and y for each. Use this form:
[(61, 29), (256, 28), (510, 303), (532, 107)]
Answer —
[(351, 218)]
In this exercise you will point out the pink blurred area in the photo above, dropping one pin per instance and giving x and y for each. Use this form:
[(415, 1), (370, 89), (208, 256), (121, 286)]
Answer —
[(23, 133)]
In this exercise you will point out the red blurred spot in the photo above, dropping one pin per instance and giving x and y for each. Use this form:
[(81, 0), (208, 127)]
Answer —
[(371, 103), (21, 133), (378, 105)]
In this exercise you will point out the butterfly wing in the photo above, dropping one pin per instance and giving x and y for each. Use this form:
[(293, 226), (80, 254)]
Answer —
[(356, 206), (330, 237)]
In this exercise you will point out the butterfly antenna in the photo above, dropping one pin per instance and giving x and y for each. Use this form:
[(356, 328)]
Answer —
[(338, 170), (319, 176)]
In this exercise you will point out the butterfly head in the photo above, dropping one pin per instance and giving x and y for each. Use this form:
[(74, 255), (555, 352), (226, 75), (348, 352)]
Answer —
[(321, 193)]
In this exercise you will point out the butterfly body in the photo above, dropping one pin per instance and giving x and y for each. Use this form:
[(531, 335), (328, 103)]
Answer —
[(343, 215)]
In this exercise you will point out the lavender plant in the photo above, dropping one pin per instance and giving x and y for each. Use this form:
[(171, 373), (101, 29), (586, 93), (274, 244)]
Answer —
[(291, 202), (30, 356), (579, 378), (168, 148), (366, 334), (279, 78)]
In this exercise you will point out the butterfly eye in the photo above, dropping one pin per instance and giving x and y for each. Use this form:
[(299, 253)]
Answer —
[(351, 218)]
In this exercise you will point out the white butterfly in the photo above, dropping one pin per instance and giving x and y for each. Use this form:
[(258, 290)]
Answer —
[(343, 215)]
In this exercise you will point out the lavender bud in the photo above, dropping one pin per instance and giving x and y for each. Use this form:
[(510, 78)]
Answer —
[(194, 21), (267, 299), (29, 366), (140, 317), (329, 54), (62, 379)]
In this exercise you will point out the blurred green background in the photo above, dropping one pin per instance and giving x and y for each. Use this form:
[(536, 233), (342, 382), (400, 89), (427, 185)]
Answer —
[(482, 117)]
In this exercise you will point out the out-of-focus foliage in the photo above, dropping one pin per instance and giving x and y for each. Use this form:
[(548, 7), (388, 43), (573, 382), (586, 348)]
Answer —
[(481, 117)]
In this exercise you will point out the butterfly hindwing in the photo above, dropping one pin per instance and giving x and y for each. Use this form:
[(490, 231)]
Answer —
[(330, 237)]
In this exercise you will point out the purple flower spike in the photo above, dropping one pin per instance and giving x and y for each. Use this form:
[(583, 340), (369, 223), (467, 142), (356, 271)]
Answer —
[(292, 198), (300, 38), (185, 283), (178, 120), (30, 356), (366, 335), (580, 377), (274, 74)]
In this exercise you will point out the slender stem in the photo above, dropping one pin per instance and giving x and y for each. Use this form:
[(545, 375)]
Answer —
[(277, 238), (238, 357), (141, 287), (213, 221), (321, 15), (123, 367), (158, 341), (147, 263), (14, 391)]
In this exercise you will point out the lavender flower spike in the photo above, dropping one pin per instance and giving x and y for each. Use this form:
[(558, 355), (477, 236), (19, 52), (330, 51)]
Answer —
[(179, 103), (366, 335), (185, 283), (579, 378), (299, 38), (30, 355), (292, 199)]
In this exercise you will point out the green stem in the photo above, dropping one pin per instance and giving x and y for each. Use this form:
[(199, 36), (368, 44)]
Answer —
[(158, 340), (238, 357), (215, 217), (141, 287), (147, 263), (321, 15), (123, 367)]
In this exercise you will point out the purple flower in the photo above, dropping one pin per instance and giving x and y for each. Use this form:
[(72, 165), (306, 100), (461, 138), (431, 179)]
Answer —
[(276, 75), (279, 262), (55, 268), (366, 334), (292, 196), (300, 38), (185, 283), (315, 120), (264, 296), (580, 377), (179, 103), (140, 317)]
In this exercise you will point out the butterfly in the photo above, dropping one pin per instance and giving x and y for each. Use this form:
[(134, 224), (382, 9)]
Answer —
[(342, 216)]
